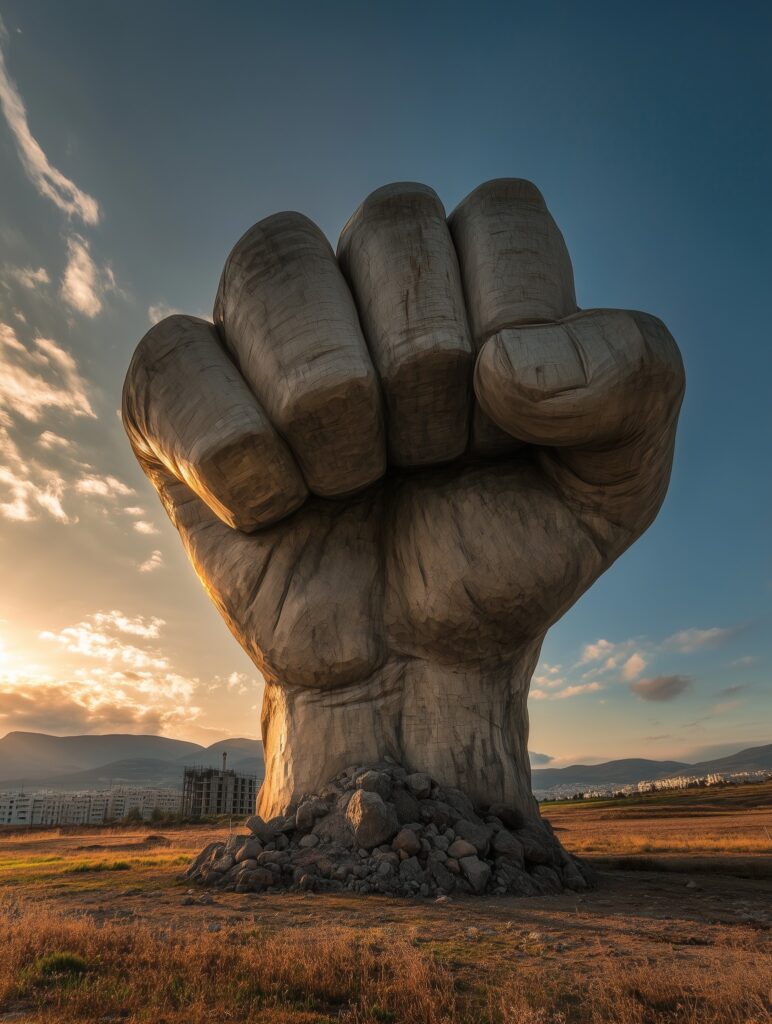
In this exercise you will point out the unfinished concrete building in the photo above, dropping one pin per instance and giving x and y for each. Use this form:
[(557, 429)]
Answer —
[(211, 791)]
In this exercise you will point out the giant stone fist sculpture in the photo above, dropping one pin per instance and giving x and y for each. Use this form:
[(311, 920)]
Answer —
[(394, 470)]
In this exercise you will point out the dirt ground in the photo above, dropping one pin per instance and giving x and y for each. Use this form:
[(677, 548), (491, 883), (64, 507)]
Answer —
[(674, 886)]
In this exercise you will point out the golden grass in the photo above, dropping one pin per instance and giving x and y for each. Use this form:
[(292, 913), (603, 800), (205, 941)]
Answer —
[(626, 843), (60, 969)]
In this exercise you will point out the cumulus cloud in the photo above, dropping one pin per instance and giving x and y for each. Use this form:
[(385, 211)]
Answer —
[(142, 526), (690, 640), (596, 652), (48, 439), (151, 564), (159, 311), (661, 688), (48, 181), (84, 284), (633, 667), (29, 277), (118, 680), (540, 759)]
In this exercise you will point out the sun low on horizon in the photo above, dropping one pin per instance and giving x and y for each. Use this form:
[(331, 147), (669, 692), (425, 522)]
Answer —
[(128, 176)]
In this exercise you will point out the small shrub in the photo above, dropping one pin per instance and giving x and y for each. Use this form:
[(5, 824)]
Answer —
[(59, 966)]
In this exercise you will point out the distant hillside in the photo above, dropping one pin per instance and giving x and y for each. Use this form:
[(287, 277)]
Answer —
[(624, 771), (631, 770), (750, 760), (94, 762)]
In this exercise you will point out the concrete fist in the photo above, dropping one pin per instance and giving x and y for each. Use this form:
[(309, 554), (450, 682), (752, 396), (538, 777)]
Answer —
[(394, 470)]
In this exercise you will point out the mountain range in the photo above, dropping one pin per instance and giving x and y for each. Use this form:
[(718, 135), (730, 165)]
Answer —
[(37, 760), (631, 770)]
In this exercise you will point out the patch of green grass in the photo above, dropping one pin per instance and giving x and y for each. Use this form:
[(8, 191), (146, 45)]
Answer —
[(55, 967), (99, 865)]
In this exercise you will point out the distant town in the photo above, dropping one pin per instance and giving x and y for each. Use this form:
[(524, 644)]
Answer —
[(204, 792), (577, 791)]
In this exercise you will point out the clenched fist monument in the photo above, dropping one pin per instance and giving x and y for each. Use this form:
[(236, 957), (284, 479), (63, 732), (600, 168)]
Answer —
[(396, 467)]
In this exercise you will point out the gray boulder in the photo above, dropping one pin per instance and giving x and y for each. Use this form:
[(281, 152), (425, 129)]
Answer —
[(407, 840), (264, 831), (375, 782), (476, 872), (461, 848), (419, 784), (372, 821), (406, 806), (504, 843), (252, 848), (411, 871), (311, 809), (478, 835)]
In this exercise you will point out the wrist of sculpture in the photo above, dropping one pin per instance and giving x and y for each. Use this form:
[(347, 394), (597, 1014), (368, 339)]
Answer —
[(467, 727)]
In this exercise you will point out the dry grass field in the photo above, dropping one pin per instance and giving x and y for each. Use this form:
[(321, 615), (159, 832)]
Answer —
[(96, 927)]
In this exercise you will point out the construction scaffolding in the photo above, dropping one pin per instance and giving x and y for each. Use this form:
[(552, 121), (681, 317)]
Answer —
[(210, 791)]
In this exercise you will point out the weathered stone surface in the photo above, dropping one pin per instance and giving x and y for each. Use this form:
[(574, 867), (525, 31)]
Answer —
[(372, 820), (536, 845), (478, 835), (407, 808), (503, 842), (419, 784), (278, 439), (476, 872), (461, 848), (202, 858), (407, 840), (375, 782), (252, 848), (508, 816), (260, 829), (410, 870), (223, 863), (309, 811)]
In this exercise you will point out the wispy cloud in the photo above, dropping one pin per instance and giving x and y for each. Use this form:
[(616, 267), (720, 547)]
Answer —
[(29, 277), (570, 691), (661, 688), (49, 181), (733, 691), (27, 488), (690, 640), (38, 377), (151, 564), (102, 486), (84, 284)]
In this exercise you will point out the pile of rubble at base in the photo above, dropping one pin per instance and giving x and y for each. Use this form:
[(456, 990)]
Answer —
[(380, 829)]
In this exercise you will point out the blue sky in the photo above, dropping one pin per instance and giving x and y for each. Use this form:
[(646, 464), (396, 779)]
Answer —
[(163, 131)]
